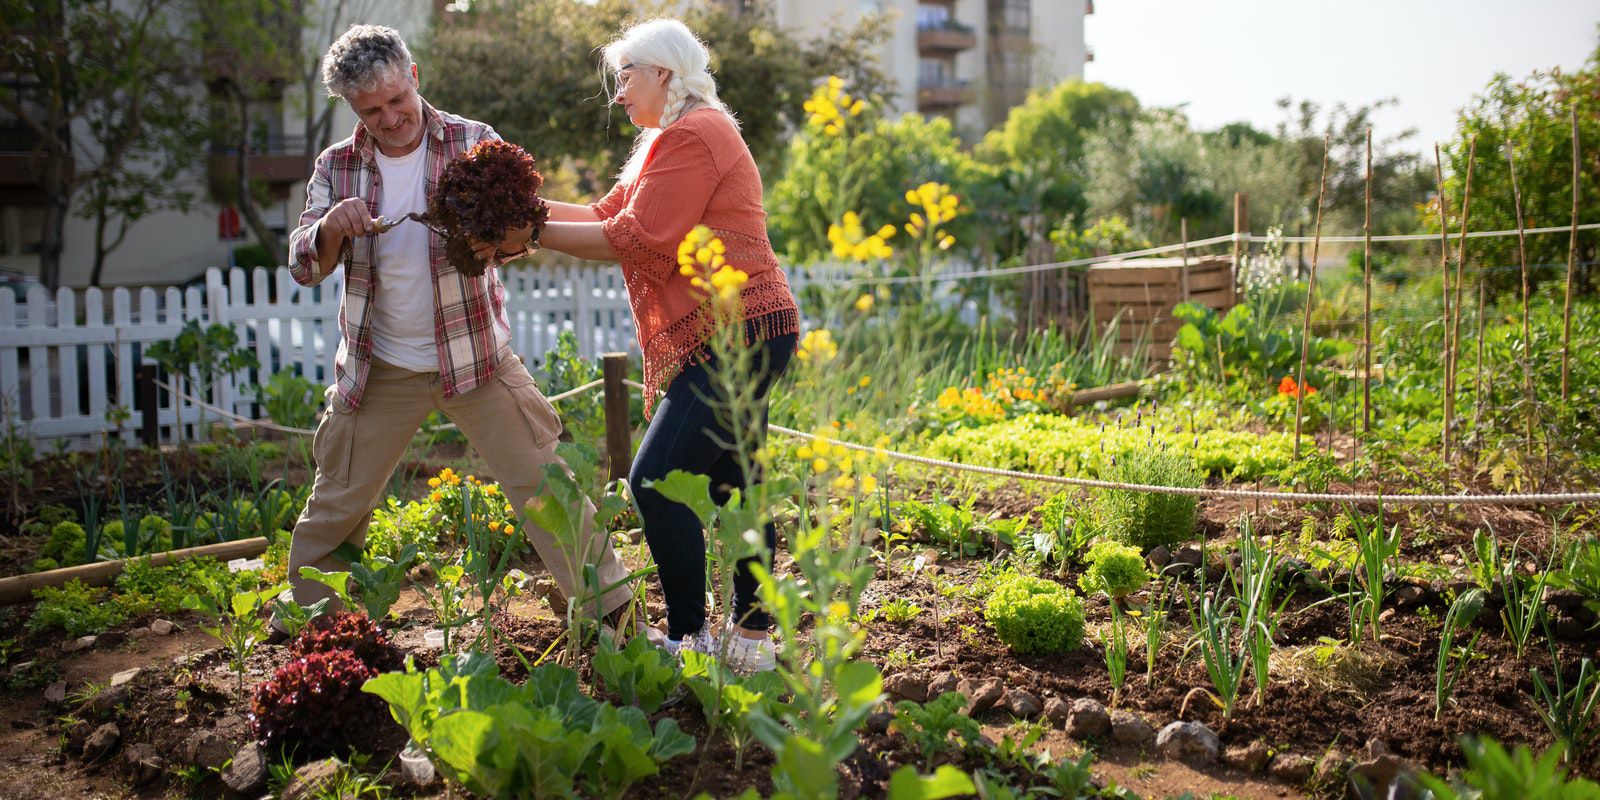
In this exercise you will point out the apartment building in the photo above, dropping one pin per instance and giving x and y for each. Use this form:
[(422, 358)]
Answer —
[(969, 60)]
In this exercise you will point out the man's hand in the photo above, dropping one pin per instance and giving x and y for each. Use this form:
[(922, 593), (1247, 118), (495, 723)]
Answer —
[(346, 220), (516, 240)]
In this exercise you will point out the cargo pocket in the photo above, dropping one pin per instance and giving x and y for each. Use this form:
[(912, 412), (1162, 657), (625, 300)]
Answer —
[(540, 414), (331, 445)]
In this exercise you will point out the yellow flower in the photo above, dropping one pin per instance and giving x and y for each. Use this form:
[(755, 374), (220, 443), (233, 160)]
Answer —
[(866, 380), (509, 509), (819, 465), (804, 452), (817, 346), (727, 281), (492, 489), (433, 483), (435, 497), (864, 303), (869, 484), (494, 526)]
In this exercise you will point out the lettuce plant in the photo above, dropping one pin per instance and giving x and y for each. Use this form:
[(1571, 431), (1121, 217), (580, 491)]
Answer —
[(1035, 616), (1116, 569)]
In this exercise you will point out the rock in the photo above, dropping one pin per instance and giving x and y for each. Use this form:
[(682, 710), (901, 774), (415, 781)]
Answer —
[(1189, 742), (1087, 718), (246, 776), (143, 763), (1130, 729), (1189, 554), (80, 643), (1056, 710), (1252, 757), (74, 732), (1376, 776), (106, 700), (102, 741), (56, 693), (18, 669), (907, 686), (985, 696), (311, 779), (1449, 559), (1410, 595), (1160, 557), (1374, 748), (123, 677), (206, 749), (948, 682), (1023, 703), (1568, 626), (1291, 768), (162, 627), (879, 721), (1332, 765), (1215, 572), (1388, 614), (138, 633)]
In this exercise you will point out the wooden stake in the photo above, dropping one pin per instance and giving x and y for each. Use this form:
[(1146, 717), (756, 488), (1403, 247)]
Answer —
[(1444, 266), (619, 433), (1453, 355), (1527, 325), (1366, 304), (1183, 233), (1311, 293), (1241, 248), (1572, 255), (1477, 394)]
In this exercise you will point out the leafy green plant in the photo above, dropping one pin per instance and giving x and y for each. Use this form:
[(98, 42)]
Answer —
[(733, 704), (1035, 616), (1244, 340), (201, 356), (1116, 569), (77, 609), (898, 611), (1115, 642), (1149, 519), (1214, 626), (448, 595), (929, 726), (1493, 773), (289, 399), (1453, 660), (541, 739), (1379, 551), (640, 674), (315, 703), (395, 525), (234, 619), (380, 580), (1154, 620), (946, 781), (955, 529), (292, 617), (1569, 711), (1066, 526)]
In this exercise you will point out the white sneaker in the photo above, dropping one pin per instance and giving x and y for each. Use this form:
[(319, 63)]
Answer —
[(700, 641), (746, 656)]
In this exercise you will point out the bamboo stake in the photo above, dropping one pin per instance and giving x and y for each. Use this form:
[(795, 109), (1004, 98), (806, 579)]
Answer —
[(1527, 325), (1311, 292), (1366, 304), (1477, 396), (1453, 356), (1444, 266), (1572, 254)]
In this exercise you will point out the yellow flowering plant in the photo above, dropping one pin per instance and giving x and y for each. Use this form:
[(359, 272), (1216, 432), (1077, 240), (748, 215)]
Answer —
[(491, 511), (701, 258)]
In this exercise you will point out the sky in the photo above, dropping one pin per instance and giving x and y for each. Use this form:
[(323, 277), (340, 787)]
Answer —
[(1230, 60)]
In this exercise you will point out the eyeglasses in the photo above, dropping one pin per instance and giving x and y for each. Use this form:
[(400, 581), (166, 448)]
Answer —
[(625, 74)]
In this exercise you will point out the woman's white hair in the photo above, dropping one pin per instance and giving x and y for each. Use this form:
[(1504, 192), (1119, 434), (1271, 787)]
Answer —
[(667, 44)]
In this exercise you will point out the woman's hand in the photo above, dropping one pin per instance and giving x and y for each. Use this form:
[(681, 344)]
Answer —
[(515, 242)]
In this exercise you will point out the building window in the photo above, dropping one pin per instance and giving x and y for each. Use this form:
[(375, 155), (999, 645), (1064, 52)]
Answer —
[(1017, 15), (930, 15), (935, 72)]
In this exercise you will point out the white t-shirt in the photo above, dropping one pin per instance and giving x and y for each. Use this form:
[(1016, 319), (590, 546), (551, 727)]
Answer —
[(402, 307)]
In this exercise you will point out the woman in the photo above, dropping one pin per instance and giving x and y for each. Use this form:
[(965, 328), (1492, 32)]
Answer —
[(689, 167)]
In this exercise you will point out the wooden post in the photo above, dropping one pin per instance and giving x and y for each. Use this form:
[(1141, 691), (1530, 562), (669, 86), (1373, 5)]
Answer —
[(1453, 357), (149, 406), (1444, 266), (619, 432), (1241, 229), (1527, 324), (1366, 303), (1572, 254), (1183, 231), (1311, 293)]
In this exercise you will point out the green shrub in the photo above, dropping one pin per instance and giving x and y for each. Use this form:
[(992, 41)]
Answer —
[(1114, 568), (394, 526), (1035, 616), (66, 543), (165, 587), (1149, 519), (79, 609), (1066, 526)]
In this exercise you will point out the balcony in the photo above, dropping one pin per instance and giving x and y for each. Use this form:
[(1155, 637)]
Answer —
[(947, 36), (20, 176), (943, 93), (278, 161)]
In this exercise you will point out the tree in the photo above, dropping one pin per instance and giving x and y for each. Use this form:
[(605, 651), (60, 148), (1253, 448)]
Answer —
[(1037, 152), (531, 70), (112, 69), (1535, 115)]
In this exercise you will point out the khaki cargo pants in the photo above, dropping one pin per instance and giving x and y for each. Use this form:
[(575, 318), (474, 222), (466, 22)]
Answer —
[(506, 419)]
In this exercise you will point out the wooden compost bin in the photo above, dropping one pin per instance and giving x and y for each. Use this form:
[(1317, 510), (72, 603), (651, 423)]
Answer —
[(1139, 295)]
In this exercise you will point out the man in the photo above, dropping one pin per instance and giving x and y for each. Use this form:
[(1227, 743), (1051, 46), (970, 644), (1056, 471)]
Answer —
[(418, 336)]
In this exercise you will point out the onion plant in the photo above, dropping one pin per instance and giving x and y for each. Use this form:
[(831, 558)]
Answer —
[(1453, 660)]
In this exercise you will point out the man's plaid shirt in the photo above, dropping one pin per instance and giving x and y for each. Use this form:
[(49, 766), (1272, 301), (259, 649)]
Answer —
[(466, 311)]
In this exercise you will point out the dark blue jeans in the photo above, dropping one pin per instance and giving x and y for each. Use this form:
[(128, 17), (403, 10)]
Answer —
[(685, 434)]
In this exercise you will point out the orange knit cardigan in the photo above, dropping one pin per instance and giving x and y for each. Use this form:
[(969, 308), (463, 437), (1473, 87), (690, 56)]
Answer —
[(698, 172)]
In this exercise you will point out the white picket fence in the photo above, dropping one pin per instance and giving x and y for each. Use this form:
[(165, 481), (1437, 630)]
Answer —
[(67, 360)]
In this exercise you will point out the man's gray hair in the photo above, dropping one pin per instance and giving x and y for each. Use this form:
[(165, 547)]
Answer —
[(362, 58)]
